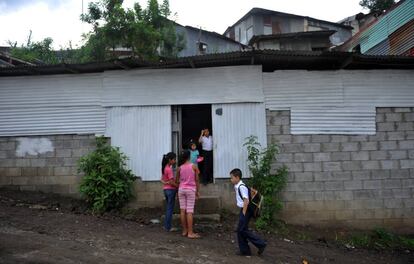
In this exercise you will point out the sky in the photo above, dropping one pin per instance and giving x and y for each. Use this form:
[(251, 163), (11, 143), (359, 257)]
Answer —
[(59, 19)]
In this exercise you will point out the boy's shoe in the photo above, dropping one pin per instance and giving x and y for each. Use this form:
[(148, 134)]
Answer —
[(261, 250), (173, 229)]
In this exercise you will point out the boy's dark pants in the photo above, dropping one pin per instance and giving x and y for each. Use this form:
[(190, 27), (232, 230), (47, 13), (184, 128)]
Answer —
[(244, 235), (207, 175)]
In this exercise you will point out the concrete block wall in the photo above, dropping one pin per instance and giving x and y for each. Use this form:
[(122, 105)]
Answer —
[(46, 163), (359, 181)]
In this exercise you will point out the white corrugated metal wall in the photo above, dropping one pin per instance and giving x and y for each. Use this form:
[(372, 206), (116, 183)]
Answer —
[(183, 86), (58, 104), (230, 130), (321, 99), (143, 133)]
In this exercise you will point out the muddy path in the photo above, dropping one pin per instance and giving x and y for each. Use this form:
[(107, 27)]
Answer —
[(37, 228)]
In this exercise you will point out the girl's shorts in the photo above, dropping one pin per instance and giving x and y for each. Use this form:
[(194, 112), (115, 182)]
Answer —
[(187, 199)]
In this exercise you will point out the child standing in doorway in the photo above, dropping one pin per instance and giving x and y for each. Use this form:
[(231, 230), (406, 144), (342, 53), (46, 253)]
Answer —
[(188, 191), (170, 187), (194, 154)]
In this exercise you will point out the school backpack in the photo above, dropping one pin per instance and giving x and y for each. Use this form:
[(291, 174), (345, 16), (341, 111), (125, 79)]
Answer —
[(255, 200)]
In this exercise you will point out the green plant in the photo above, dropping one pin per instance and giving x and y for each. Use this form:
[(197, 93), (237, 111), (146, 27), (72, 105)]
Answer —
[(267, 181), (380, 238), (107, 183)]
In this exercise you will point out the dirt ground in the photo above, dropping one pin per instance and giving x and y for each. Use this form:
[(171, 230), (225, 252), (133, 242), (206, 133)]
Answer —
[(40, 228)]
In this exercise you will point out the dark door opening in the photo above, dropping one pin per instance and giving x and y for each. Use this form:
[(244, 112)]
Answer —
[(194, 119)]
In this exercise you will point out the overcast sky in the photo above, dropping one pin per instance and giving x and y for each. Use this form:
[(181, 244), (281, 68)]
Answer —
[(59, 19)]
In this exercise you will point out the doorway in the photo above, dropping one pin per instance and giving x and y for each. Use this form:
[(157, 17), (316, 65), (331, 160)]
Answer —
[(187, 123)]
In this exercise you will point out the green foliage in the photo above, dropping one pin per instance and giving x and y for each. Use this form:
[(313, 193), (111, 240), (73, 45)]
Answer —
[(269, 183), (380, 238), (35, 52), (106, 184), (376, 6), (148, 33)]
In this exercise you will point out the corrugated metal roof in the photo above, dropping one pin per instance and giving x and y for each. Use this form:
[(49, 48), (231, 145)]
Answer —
[(269, 59), (402, 40)]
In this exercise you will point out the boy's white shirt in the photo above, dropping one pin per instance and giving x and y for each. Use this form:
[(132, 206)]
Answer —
[(244, 192), (207, 143)]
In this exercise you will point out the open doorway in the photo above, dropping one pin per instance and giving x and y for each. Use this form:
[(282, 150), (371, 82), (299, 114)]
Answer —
[(193, 119)]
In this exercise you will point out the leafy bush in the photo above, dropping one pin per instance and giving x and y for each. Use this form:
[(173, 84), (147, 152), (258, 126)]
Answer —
[(268, 183), (380, 238), (107, 183)]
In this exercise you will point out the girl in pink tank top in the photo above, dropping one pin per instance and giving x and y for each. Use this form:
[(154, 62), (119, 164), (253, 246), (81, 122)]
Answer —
[(188, 191)]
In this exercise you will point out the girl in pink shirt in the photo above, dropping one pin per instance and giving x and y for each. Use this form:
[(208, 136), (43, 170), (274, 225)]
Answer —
[(170, 187), (187, 178)]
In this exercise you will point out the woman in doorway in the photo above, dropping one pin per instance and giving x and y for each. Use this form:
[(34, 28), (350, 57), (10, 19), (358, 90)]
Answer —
[(206, 141)]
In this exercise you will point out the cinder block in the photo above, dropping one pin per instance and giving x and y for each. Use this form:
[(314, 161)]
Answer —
[(389, 164), (322, 157), (5, 180), (380, 174), (313, 167), (371, 165), (47, 171), (7, 163), (285, 130), (339, 156), (382, 213), (334, 185), (77, 153), (330, 147), (314, 186), (372, 184), (353, 185), (359, 138), (334, 205), (397, 154), (344, 214), (61, 153), (312, 147), (344, 195), (283, 138), (393, 117), (305, 196), (12, 172), (295, 148), (407, 126), (288, 196), (392, 184), (364, 194), (411, 154), (295, 167), (384, 194), (393, 203), (341, 175), (408, 203), (323, 176), (361, 175), (315, 206), (406, 144), (350, 146), (402, 109), (388, 145), (409, 117), (62, 171), (407, 164), (384, 110), (409, 183), (10, 145), (380, 118), (378, 155), (29, 172), (351, 165), (23, 163), (386, 127), (63, 189), (396, 135), (320, 138), (364, 214), (400, 174), (369, 145), (339, 138), (301, 139), (379, 136), (402, 193), (332, 166), (360, 155), (295, 186), (304, 176), (303, 157), (324, 196), (70, 162), (39, 162), (20, 180), (364, 204), (294, 206)]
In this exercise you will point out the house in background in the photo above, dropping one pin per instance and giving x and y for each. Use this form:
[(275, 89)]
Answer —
[(390, 34), (269, 29), (200, 42), (358, 21)]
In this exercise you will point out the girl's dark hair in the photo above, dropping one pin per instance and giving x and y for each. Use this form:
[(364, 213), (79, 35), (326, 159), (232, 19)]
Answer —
[(166, 158), (185, 155)]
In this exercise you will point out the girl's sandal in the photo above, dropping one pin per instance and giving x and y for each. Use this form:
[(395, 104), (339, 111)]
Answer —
[(194, 236), (184, 234)]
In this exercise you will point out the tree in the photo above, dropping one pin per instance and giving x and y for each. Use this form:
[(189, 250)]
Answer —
[(377, 6), (36, 52), (148, 33)]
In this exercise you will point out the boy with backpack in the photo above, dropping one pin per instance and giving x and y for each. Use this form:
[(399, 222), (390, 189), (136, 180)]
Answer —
[(243, 199)]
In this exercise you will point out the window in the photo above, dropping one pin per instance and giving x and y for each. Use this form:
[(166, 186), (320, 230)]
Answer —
[(202, 47), (249, 33)]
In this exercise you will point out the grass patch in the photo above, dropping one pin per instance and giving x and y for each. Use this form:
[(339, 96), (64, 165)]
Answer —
[(380, 238)]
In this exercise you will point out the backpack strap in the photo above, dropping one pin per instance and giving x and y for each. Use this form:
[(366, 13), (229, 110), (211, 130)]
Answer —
[(248, 191)]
